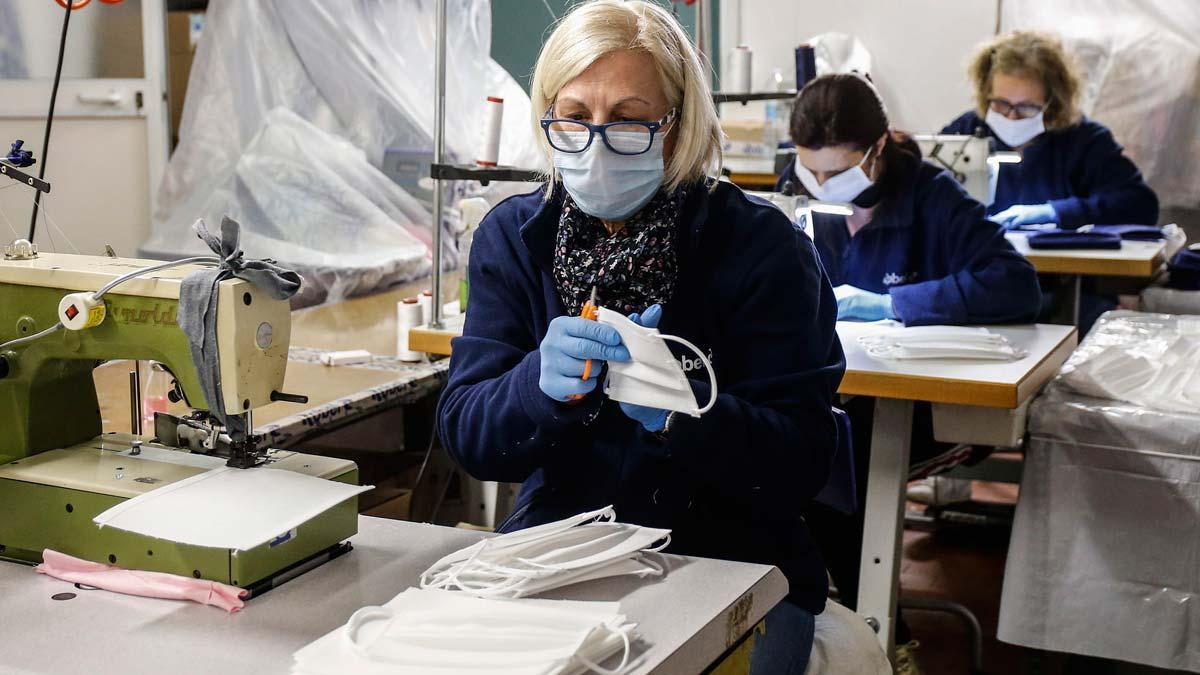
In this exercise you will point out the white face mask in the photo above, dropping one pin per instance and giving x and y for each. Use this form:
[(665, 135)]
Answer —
[(609, 186), (1015, 133), (652, 377), (522, 563), (435, 631), (844, 187), (940, 342)]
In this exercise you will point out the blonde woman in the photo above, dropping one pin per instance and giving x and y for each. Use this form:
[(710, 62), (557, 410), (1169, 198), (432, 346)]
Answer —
[(1072, 171), (626, 117)]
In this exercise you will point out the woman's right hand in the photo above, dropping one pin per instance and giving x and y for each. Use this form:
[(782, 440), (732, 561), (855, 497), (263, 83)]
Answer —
[(569, 343)]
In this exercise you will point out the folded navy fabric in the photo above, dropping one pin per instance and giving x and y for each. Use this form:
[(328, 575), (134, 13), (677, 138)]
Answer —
[(1131, 232), (1067, 239), (1127, 232), (1185, 270)]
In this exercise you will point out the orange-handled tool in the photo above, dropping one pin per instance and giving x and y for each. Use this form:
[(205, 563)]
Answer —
[(589, 313)]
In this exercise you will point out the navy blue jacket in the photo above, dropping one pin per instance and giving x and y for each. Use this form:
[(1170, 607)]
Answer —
[(930, 246), (1080, 170), (731, 484)]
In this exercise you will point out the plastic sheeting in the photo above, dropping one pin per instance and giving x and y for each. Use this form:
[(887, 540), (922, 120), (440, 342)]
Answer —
[(1105, 552), (290, 108), (840, 53), (1140, 61)]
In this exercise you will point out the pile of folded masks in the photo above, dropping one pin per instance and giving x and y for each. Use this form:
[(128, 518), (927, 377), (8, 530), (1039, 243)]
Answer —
[(545, 557), (1169, 381), (432, 631), (940, 342)]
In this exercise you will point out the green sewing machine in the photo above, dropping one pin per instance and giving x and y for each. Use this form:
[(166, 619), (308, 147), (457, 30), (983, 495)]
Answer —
[(58, 471)]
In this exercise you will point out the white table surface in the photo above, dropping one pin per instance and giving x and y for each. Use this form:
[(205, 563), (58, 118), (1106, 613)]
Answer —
[(996, 384), (686, 620)]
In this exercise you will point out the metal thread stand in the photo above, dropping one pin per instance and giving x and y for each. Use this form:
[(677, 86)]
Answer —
[(439, 156)]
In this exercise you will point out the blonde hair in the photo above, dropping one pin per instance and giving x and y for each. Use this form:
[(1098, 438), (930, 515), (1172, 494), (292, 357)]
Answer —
[(1034, 55), (599, 27)]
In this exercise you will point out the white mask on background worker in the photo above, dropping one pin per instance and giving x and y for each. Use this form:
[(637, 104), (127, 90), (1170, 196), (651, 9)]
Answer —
[(1015, 133), (838, 173), (1016, 109)]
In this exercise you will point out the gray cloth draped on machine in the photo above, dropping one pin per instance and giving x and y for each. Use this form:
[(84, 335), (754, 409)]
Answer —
[(1106, 539), (292, 112), (198, 309)]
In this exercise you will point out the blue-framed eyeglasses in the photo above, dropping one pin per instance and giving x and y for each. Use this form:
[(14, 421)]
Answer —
[(623, 138)]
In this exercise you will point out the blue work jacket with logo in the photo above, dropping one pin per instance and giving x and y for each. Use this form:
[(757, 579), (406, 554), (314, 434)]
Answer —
[(731, 484), (1080, 170), (931, 247)]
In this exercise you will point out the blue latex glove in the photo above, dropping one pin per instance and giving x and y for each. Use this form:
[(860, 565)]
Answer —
[(569, 342), (855, 304), (1025, 214), (652, 419)]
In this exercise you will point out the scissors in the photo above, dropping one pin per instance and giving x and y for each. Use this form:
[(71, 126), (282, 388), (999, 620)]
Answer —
[(589, 312)]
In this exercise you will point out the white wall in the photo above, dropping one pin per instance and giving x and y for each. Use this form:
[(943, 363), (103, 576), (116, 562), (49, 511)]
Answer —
[(919, 47), (100, 193)]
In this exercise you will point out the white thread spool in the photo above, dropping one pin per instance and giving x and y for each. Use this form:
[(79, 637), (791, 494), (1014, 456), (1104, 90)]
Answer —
[(408, 315), (425, 300), (740, 59), (493, 115)]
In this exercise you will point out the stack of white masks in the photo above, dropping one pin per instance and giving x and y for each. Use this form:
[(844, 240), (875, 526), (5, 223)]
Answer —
[(1169, 381), (431, 632), (652, 377), (531, 561), (940, 342)]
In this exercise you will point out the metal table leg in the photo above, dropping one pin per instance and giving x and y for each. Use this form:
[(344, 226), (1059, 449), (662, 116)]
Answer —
[(887, 477), (1078, 302)]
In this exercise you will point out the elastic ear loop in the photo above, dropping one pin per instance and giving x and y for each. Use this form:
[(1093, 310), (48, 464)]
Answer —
[(450, 576), (712, 374), (350, 636), (625, 651), (656, 569)]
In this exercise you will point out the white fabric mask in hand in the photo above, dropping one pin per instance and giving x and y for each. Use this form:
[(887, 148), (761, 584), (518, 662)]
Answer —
[(652, 377)]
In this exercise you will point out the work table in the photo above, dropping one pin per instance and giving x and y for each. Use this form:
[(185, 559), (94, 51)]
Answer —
[(680, 629)]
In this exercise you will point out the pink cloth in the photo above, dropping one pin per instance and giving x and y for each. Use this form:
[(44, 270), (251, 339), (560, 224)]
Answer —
[(146, 584)]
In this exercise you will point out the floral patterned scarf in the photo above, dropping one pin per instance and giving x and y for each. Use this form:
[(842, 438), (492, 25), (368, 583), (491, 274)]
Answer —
[(631, 270)]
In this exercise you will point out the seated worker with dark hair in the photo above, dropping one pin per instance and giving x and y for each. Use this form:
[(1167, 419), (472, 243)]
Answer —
[(916, 248)]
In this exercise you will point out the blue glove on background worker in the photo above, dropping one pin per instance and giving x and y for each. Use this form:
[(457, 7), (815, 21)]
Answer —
[(570, 341), (1025, 214), (855, 304), (652, 419)]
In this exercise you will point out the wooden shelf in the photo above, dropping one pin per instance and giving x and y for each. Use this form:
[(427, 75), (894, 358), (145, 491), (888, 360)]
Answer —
[(723, 97)]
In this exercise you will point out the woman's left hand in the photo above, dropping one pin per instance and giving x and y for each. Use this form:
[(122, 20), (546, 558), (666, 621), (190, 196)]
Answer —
[(652, 419), (1025, 214)]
